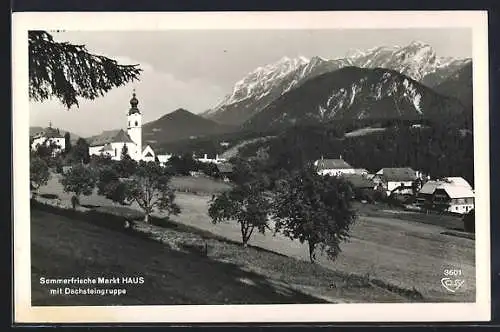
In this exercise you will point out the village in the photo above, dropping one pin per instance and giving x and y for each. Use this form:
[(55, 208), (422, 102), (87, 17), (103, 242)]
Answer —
[(416, 190)]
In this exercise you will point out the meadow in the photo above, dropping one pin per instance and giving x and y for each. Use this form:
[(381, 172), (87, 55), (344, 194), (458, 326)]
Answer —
[(386, 260)]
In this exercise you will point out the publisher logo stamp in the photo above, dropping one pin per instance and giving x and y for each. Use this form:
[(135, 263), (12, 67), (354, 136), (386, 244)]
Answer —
[(452, 280)]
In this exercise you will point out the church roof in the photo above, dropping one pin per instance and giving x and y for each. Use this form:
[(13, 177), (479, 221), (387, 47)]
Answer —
[(110, 136)]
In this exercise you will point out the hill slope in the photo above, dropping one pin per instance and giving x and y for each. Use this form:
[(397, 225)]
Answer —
[(178, 125), (459, 85), (262, 86), (355, 93)]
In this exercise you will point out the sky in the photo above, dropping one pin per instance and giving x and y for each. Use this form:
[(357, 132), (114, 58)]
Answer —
[(195, 69)]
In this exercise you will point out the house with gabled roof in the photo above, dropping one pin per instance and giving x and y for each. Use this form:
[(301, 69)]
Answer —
[(49, 136), (452, 194), (333, 167), (111, 142), (398, 180)]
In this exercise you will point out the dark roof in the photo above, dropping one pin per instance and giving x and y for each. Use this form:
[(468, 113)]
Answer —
[(398, 174), (49, 132), (359, 181), (331, 164), (110, 136), (225, 168)]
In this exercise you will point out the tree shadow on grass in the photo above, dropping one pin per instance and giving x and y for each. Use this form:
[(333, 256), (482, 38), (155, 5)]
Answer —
[(206, 235), (171, 277)]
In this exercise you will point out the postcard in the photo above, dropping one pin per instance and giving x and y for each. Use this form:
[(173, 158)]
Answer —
[(239, 167)]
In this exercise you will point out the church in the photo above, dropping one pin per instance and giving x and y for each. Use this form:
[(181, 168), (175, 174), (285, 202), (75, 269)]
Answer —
[(111, 142)]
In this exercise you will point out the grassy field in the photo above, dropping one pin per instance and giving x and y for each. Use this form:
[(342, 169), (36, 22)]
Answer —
[(63, 247), (382, 210), (394, 251), (200, 184)]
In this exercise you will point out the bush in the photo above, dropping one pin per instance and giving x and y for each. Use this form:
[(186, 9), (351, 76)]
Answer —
[(379, 196), (470, 222), (49, 196), (365, 195)]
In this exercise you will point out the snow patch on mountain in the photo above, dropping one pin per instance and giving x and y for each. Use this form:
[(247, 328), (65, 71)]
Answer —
[(265, 84)]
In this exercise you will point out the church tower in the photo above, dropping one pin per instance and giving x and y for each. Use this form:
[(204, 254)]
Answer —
[(134, 128)]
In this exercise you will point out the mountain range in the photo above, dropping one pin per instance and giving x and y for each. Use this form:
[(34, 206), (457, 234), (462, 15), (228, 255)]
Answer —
[(355, 93), (410, 82), (265, 84)]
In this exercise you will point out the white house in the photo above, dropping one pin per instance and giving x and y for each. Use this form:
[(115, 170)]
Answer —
[(453, 192), (215, 160), (163, 158), (398, 179), (111, 142), (333, 167), (47, 137)]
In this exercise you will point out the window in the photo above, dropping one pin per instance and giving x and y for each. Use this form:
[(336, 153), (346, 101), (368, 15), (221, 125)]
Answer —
[(115, 152), (129, 123), (136, 123), (149, 154)]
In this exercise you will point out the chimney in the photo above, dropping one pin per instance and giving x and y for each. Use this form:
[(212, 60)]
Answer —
[(205, 157)]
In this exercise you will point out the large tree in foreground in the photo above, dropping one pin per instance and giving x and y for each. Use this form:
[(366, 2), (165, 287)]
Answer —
[(314, 209), (69, 72), (150, 188), (247, 203), (79, 180)]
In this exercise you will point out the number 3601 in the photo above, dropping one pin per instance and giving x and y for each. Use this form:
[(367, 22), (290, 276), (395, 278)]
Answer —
[(452, 272)]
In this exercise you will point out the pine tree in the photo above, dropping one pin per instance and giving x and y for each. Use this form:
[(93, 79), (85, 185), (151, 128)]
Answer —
[(69, 72)]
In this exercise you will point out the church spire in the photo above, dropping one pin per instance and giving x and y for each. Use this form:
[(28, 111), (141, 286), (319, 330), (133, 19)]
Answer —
[(133, 104)]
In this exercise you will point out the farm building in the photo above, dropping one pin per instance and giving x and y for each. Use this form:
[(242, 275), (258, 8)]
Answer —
[(396, 180), (453, 194), (224, 170), (49, 136), (333, 167), (215, 160)]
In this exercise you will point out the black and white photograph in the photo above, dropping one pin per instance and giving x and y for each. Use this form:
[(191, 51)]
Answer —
[(317, 166)]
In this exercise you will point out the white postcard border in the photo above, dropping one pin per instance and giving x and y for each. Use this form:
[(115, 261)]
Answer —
[(430, 312)]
